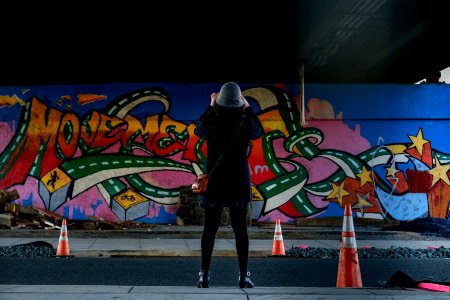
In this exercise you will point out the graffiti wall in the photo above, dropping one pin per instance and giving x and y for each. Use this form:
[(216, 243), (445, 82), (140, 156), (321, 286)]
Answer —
[(123, 151)]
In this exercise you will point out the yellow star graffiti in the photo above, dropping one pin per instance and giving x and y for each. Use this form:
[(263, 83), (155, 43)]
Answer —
[(391, 170), (418, 141), (338, 192), (439, 172), (364, 176)]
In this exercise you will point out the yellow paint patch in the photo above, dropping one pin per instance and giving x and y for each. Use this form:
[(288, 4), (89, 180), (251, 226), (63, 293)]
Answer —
[(256, 195), (129, 198), (55, 179), (88, 98), (6, 100), (397, 148)]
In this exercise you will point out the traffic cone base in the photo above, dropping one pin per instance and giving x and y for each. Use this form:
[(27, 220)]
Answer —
[(63, 249), (278, 244), (349, 274)]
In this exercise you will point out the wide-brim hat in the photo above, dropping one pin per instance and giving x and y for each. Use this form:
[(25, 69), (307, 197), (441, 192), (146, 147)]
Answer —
[(230, 95)]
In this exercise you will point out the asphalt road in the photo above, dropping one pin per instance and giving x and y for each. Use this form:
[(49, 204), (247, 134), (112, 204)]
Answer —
[(182, 271)]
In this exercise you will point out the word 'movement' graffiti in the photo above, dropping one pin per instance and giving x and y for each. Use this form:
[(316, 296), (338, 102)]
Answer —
[(111, 164), (71, 155)]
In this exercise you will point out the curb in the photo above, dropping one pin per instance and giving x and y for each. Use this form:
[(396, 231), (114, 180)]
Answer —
[(161, 253)]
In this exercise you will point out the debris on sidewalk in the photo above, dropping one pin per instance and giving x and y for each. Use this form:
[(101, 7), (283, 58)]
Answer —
[(15, 216), (8, 196), (33, 249), (365, 253), (103, 224)]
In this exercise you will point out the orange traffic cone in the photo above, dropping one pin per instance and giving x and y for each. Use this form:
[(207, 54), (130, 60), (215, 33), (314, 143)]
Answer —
[(63, 244), (349, 274), (278, 244)]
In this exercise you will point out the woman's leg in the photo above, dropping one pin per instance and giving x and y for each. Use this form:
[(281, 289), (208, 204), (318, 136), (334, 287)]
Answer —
[(212, 223), (238, 218)]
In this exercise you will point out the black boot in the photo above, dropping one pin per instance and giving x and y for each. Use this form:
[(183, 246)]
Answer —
[(244, 281), (203, 279)]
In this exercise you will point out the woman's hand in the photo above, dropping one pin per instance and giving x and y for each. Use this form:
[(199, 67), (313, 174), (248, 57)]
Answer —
[(214, 98), (245, 102)]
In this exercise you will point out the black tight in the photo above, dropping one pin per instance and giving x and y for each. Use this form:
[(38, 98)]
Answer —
[(238, 218)]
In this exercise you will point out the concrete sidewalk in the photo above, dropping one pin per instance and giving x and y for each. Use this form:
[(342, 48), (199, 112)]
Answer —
[(95, 292)]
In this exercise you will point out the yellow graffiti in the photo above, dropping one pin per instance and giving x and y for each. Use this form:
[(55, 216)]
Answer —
[(88, 98), (256, 195), (439, 172), (129, 198), (55, 179), (418, 141), (6, 100)]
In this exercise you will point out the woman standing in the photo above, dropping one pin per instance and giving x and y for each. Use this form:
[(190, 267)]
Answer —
[(227, 125)]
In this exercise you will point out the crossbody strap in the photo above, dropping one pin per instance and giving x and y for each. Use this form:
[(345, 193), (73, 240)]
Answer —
[(226, 148)]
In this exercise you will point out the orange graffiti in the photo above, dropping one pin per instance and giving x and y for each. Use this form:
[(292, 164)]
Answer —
[(88, 98)]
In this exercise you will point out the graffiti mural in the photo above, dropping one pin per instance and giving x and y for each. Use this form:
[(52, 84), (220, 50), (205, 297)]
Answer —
[(123, 151)]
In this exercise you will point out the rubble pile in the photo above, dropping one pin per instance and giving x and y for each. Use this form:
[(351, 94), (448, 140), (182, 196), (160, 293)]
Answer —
[(15, 216), (425, 226), (34, 249), (364, 253)]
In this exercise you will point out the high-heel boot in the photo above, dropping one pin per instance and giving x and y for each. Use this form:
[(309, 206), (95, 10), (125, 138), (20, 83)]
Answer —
[(203, 279), (244, 280)]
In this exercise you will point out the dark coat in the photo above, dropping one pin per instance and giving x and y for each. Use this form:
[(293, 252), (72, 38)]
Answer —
[(229, 185)]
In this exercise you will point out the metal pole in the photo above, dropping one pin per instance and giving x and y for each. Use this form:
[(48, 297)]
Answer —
[(302, 95)]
